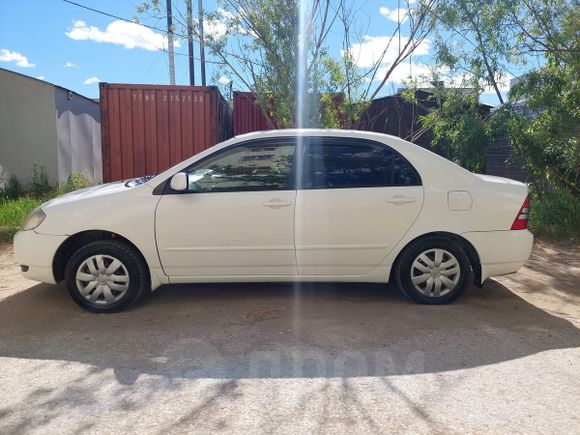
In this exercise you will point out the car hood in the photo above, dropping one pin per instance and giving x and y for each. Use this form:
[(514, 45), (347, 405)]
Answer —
[(88, 193)]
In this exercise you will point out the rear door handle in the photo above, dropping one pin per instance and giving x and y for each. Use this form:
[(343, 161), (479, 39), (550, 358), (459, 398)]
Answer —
[(401, 200), (275, 203)]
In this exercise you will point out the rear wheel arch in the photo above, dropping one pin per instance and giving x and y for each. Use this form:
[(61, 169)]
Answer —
[(73, 243), (467, 247)]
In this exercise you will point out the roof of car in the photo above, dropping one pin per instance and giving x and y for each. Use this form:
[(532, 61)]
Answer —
[(313, 131)]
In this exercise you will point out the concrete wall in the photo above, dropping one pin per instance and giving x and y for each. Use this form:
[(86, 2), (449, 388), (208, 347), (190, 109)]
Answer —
[(27, 127), (48, 126), (78, 131)]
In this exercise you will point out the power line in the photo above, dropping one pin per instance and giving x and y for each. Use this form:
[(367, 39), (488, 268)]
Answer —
[(114, 16), (140, 24)]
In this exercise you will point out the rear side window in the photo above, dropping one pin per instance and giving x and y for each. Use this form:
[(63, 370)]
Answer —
[(336, 164)]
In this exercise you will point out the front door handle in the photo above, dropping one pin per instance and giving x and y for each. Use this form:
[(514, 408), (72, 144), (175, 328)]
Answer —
[(275, 203), (401, 200)]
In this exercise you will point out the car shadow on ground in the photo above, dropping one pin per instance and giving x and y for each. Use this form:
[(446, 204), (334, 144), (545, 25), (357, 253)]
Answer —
[(239, 331)]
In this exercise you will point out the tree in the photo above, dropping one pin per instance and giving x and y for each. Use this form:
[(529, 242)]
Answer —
[(337, 87), (547, 134), (474, 39), (476, 43), (258, 46), (460, 128)]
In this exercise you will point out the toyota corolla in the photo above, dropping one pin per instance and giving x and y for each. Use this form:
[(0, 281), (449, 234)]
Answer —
[(285, 205)]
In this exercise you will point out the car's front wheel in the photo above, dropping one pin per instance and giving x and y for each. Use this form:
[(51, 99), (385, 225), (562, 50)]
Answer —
[(433, 271), (106, 276)]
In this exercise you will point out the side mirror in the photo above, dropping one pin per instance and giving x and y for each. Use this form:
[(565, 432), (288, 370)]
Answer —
[(179, 182)]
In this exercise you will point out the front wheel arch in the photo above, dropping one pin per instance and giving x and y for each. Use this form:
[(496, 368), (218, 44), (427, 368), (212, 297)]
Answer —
[(72, 244), (469, 249)]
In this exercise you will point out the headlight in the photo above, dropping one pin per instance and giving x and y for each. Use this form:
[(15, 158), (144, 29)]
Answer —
[(33, 220)]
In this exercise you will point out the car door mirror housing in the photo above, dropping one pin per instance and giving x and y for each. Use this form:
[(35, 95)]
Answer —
[(179, 182)]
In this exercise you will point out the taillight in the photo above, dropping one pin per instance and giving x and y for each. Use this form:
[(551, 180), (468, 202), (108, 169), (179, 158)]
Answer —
[(521, 220)]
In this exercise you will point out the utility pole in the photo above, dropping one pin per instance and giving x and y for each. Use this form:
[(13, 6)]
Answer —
[(201, 42), (170, 44), (190, 41)]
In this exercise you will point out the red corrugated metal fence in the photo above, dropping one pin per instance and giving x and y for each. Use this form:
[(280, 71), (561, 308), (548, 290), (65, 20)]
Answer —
[(248, 116), (148, 128)]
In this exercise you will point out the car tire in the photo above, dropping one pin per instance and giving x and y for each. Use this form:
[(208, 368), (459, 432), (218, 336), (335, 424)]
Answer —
[(433, 271), (107, 276)]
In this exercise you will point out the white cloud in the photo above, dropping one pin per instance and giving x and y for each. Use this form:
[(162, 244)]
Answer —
[(368, 52), (223, 80), (394, 14), (92, 80), (129, 35), (70, 65), (464, 80), (503, 83), (18, 58), (215, 28), (405, 72), (41, 78), (224, 21), (227, 14), (423, 76)]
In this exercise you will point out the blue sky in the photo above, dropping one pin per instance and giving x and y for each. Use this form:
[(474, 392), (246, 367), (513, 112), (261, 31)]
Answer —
[(75, 48)]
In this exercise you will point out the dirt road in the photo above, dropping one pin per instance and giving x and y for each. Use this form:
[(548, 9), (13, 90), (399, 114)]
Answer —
[(308, 358)]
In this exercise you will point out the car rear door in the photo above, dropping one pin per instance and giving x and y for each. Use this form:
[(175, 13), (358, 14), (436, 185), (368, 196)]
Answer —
[(236, 220), (355, 201)]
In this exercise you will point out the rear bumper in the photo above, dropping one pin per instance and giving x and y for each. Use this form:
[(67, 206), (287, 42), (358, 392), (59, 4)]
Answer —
[(501, 252), (37, 252)]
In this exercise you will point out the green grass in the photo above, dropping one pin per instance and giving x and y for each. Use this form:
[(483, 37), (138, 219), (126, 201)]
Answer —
[(15, 203), (13, 212)]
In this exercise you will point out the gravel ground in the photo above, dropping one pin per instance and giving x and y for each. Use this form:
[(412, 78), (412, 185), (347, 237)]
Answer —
[(313, 358)]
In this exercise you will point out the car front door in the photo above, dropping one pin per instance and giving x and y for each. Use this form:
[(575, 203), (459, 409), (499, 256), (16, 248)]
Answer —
[(355, 201), (237, 217)]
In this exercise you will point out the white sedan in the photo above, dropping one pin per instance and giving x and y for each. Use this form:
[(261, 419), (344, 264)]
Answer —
[(284, 205)]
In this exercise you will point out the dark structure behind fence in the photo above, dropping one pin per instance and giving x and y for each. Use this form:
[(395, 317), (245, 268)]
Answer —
[(501, 159), (396, 116)]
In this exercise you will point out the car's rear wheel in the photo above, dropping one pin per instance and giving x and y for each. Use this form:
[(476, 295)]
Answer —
[(433, 271), (106, 276)]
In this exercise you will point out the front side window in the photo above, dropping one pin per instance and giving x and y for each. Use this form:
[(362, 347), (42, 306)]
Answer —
[(335, 164), (253, 167)]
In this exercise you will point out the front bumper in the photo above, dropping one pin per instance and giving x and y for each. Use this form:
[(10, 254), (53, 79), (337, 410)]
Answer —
[(501, 252), (37, 252)]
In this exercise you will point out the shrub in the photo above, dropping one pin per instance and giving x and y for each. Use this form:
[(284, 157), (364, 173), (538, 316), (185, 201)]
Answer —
[(39, 187), (554, 212), (13, 189), (76, 181)]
